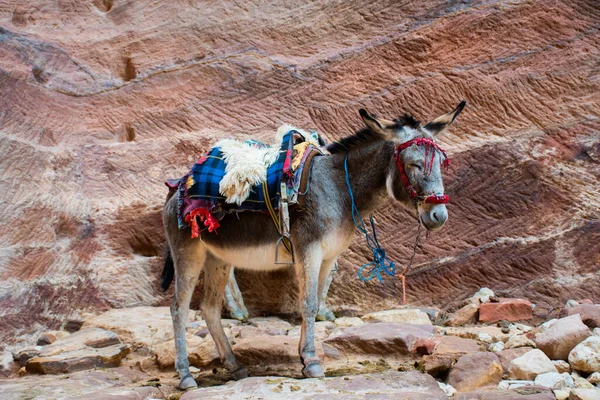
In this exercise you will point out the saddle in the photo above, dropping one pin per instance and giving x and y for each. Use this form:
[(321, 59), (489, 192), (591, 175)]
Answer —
[(248, 176)]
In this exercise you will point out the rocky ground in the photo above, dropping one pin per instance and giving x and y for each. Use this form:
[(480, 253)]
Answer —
[(491, 348)]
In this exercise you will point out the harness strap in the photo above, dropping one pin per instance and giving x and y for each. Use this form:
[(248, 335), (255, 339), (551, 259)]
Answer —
[(305, 178)]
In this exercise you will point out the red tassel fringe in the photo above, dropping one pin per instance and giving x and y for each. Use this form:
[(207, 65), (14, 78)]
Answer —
[(205, 216)]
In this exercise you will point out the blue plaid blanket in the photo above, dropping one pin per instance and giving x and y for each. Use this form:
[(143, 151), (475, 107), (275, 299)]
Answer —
[(199, 189)]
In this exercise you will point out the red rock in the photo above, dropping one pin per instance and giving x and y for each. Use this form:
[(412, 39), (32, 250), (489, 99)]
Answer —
[(507, 310), (456, 345), (424, 346), (475, 370), (590, 314), (385, 339)]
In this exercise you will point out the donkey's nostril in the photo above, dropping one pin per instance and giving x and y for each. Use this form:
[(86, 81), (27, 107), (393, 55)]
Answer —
[(435, 217)]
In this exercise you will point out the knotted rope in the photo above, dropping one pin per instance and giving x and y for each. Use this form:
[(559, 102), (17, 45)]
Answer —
[(380, 264)]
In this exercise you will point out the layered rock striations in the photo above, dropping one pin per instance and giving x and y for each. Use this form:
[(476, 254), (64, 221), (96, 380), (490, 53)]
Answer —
[(101, 101)]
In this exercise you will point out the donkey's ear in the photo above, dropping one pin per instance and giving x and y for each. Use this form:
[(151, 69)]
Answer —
[(378, 125), (443, 121)]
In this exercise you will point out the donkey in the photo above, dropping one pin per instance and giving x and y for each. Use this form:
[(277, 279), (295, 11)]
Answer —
[(396, 159)]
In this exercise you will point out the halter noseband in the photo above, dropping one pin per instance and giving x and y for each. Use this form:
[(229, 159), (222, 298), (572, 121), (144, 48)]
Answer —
[(430, 147)]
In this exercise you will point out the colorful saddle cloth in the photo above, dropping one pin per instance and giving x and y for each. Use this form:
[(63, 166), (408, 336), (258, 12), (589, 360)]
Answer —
[(199, 199)]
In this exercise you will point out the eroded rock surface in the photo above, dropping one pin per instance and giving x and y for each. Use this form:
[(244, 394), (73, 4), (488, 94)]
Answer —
[(97, 109)]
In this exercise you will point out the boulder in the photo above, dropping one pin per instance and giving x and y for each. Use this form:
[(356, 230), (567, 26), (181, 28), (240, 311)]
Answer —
[(562, 366), (390, 340), (475, 370), (201, 352), (407, 315), (271, 324), (530, 365), (515, 341), (386, 385), (506, 356), (554, 380), (448, 389), (584, 394), (586, 355), (506, 310), (590, 314), (142, 327), (88, 337), (594, 378), (437, 365), (483, 295), (466, 315), (7, 363), (77, 360), (561, 337), (455, 345)]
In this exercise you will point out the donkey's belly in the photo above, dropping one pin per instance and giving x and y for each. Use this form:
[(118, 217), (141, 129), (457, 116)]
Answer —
[(261, 257)]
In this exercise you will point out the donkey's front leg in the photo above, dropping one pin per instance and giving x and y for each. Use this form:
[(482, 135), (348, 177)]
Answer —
[(328, 270), (308, 280), (188, 264), (216, 275)]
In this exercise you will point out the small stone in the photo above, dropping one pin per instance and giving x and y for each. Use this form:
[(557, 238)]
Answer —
[(530, 365), (483, 295), (475, 370), (345, 322), (506, 309), (448, 389), (51, 337), (6, 363), (571, 303), (594, 378), (485, 337), (582, 383), (515, 341), (496, 347), (523, 327), (554, 380), (562, 366), (466, 315), (513, 384), (586, 355), (505, 329), (596, 332), (424, 346), (406, 315), (270, 323), (562, 394), (585, 394), (561, 337)]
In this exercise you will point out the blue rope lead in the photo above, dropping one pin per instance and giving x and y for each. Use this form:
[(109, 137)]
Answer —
[(380, 263)]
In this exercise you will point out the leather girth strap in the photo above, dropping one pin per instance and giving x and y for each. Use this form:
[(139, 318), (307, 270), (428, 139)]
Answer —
[(305, 178)]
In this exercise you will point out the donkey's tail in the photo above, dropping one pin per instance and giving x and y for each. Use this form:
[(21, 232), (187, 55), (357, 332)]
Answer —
[(168, 270)]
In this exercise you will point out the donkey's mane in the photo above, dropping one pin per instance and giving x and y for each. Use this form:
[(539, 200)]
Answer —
[(366, 136)]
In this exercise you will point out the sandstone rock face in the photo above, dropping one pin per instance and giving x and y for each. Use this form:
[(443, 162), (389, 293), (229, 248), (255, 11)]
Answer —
[(506, 310), (475, 370), (387, 385), (530, 365), (561, 337), (97, 109), (586, 355)]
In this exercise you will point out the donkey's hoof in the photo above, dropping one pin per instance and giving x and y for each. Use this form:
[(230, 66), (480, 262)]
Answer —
[(187, 382), (325, 315), (241, 373), (313, 370)]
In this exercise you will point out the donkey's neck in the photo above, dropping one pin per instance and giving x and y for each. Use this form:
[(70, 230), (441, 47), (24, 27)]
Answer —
[(368, 168)]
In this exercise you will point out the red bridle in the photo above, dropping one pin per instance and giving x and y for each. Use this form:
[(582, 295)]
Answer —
[(430, 148)]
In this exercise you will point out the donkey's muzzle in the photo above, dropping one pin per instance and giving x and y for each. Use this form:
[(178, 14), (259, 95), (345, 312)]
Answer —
[(433, 217)]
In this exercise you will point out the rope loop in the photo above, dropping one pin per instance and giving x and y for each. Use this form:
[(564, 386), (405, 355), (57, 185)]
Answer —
[(380, 264)]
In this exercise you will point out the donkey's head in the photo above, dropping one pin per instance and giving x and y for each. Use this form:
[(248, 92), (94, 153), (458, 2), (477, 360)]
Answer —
[(415, 177)]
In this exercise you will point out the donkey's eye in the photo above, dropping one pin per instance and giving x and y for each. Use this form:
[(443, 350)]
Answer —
[(416, 166)]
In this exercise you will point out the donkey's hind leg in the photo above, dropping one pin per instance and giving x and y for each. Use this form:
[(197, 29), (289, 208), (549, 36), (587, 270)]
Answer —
[(308, 279), (188, 264), (216, 275), (234, 302)]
